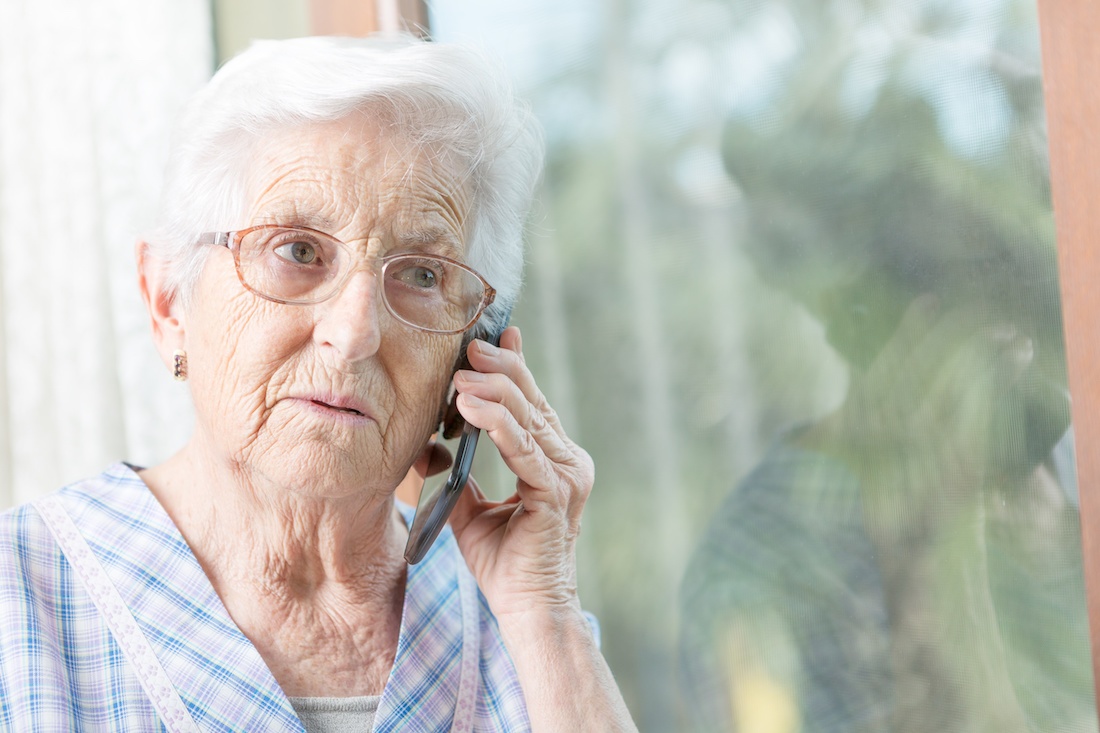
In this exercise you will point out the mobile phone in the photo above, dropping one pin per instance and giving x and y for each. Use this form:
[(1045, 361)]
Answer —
[(436, 505)]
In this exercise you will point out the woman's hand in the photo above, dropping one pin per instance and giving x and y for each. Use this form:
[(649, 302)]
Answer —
[(521, 550), (918, 426)]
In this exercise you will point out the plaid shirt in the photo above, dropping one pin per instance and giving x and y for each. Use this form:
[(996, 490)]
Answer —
[(61, 669)]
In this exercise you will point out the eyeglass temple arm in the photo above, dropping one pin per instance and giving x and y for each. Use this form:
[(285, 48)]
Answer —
[(218, 239)]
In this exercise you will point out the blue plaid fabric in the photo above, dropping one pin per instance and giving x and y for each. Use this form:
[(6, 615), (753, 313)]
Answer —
[(61, 670)]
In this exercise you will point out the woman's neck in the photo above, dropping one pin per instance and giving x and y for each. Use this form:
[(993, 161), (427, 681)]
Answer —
[(316, 583)]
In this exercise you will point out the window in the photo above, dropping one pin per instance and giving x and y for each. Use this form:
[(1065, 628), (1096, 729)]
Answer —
[(793, 284)]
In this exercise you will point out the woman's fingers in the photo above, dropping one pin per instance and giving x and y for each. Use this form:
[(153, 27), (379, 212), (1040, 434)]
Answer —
[(502, 378), (897, 388), (498, 389), (507, 359), (914, 355), (522, 549), (502, 398), (538, 466)]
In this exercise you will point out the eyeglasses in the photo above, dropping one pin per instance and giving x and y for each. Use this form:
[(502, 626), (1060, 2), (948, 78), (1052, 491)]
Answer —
[(301, 266)]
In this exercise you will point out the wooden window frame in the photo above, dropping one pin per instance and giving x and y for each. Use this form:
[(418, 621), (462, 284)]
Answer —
[(363, 17), (1071, 81)]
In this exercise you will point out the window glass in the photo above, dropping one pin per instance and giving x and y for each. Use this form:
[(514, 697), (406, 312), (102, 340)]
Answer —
[(792, 283)]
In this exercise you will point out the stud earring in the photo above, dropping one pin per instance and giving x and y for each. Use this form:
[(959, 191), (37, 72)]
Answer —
[(179, 365)]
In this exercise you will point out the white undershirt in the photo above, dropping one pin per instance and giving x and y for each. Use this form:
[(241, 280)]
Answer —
[(336, 714)]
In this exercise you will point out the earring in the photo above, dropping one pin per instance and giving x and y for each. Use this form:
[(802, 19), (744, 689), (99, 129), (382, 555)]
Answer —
[(179, 365)]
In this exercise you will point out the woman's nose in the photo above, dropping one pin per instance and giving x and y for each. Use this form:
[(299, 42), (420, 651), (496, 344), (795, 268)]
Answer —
[(349, 321)]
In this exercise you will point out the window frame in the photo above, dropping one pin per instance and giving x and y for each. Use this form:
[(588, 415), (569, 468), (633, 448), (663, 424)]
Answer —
[(1071, 63)]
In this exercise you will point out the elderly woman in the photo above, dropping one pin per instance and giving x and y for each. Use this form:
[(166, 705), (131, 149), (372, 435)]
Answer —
[(341, 220)]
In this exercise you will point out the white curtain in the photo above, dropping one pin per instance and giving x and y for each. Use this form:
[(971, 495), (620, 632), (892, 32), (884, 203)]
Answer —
[(88, 95)]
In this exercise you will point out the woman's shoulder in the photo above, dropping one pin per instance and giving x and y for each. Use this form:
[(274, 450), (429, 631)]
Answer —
[(24, 520), (38, 609), (29, 554), (58, 655)]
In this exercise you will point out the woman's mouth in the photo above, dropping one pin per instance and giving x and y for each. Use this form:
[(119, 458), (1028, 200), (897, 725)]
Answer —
[(348, 410), (334, 407)]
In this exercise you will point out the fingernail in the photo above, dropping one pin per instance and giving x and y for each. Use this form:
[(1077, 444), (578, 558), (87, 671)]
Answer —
[(486, 348), (471, 376), (471, 400)]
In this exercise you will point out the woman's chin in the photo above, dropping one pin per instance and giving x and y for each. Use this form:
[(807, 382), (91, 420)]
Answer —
[(324, 469)]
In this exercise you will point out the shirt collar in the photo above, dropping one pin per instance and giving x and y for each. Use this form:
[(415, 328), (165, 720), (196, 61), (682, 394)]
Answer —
[(218, 672)]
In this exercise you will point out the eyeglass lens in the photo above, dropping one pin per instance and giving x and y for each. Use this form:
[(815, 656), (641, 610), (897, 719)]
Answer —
[(296, 266)]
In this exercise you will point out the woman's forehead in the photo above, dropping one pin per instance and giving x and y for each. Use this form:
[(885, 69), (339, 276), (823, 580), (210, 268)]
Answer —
[(351, 176)]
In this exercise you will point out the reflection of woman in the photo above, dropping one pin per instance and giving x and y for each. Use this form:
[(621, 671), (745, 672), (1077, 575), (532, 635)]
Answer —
[(336, 218), (877, 572), (910, 562)]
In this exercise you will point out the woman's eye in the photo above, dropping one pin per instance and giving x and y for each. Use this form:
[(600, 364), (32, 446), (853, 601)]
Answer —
[(418, 276), (301, 253)]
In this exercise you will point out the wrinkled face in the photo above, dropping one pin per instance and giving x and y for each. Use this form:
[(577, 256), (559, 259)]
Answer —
[(335, 398)]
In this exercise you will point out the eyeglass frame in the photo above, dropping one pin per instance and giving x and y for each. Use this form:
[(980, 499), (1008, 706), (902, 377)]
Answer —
[(231, 240)]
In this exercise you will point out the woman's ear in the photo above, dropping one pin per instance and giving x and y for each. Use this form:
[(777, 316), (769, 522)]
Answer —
[(162, 304)]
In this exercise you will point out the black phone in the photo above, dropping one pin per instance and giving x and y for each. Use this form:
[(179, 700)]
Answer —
[(436, 505)]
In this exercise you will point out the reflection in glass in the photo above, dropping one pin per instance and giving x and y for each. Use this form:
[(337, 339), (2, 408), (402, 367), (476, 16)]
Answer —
[(794, 288), (909, 561)]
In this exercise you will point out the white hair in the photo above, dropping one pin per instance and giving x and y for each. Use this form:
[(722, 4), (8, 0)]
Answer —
[(449, 98)]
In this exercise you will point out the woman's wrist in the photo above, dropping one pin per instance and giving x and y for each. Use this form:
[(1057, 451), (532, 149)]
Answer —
[(527, 627), (566, 682)]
